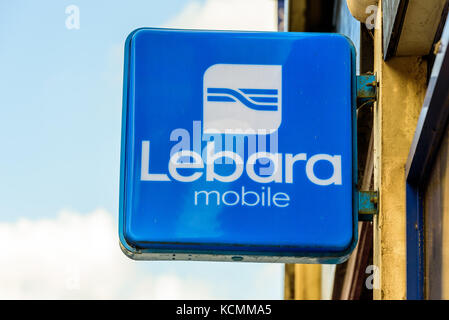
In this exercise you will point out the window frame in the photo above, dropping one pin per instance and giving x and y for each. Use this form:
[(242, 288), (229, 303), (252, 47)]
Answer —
[(430, 131)]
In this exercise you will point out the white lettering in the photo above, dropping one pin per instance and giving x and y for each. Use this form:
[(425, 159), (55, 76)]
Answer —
[(336, 163), (281, 197), (211, 175), (145, 165), (231, 204), (233, 198), (176, 164), (289, 162), (276, 175), (207, 196), (244, 201), (182, 160)]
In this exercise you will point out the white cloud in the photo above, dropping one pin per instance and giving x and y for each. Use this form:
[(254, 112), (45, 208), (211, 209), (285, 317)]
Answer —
[(77, 256), (257, 15)]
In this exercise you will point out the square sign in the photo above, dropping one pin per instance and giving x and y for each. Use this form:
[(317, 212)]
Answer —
[(238, 146)]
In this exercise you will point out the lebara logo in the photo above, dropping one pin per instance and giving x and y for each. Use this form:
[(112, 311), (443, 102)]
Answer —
[(242, 99), (257, 101)]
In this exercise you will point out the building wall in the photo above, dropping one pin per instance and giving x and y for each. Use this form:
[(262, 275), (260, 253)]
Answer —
[(402, 88)]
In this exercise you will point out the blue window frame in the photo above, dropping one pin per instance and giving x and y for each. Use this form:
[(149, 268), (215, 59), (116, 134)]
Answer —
[(430, 130)]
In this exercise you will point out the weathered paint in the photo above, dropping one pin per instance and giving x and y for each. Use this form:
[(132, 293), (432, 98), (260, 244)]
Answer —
[(366, 90), (410, 26), (366, 87), (420, 25), (368, 208), (402, 87)]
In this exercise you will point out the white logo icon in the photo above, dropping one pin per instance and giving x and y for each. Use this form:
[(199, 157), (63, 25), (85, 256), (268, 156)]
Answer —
[(242, 99)]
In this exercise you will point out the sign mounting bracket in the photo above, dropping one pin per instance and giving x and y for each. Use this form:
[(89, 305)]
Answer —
[(366, 89), (368, 205)]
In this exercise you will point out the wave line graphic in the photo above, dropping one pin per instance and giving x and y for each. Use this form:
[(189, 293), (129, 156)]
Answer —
[(229, 95)]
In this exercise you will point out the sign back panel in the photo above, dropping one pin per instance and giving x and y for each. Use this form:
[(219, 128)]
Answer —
[(238, 146)]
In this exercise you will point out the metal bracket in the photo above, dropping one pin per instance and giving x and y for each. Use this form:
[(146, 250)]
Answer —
[(366, 89), (368, 205)]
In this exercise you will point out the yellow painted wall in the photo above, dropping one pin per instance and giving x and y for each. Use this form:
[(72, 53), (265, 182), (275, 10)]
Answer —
[(401, 95), (302, 282)]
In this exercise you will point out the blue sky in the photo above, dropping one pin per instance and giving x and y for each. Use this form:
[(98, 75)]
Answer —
[(60, 104), (61, 98)]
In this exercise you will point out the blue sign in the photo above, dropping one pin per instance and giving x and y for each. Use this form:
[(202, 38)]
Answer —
[(238, 146)]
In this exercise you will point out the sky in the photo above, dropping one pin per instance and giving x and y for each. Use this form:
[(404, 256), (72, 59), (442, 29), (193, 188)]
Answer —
[(60, 126)]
